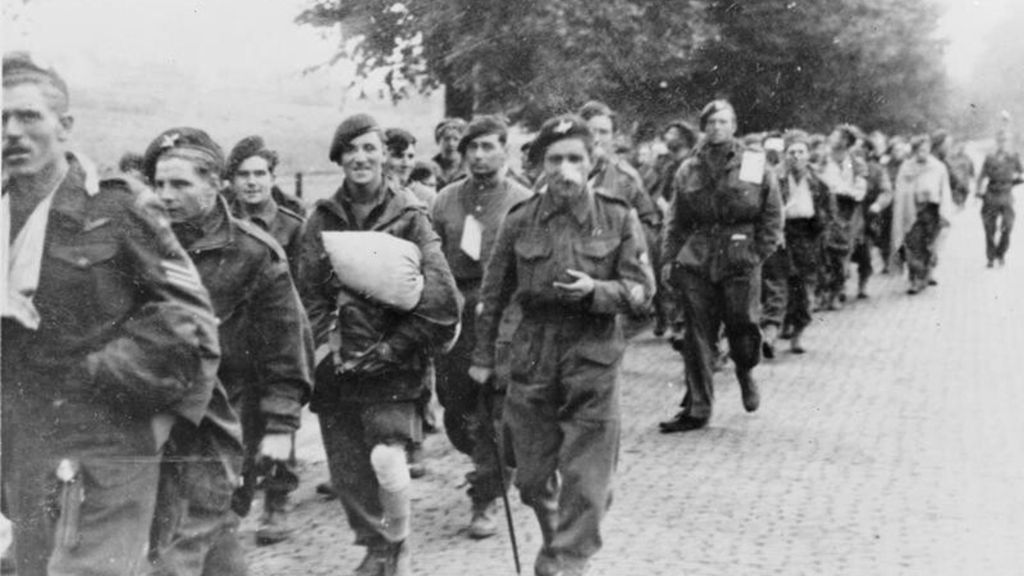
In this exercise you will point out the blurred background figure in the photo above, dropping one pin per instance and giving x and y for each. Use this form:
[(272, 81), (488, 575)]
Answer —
[(999, 174)]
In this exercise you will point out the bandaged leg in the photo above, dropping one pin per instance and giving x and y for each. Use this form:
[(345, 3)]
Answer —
[(392, 471)]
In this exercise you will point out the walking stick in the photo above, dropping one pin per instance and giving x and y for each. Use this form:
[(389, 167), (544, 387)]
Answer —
[(501, 474)]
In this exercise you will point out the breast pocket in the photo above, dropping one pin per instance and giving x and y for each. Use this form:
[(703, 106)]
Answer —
[(742, 201), (83, 265), (597, 255), (531, 256)]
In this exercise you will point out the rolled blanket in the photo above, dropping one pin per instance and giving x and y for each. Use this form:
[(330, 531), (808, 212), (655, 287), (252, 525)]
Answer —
[(377, 266)]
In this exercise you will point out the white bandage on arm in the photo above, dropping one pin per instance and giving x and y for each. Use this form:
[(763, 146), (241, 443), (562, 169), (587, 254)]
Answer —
[(390, 467)]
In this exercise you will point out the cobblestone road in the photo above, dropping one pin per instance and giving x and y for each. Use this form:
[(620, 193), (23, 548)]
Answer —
[(895, 446)]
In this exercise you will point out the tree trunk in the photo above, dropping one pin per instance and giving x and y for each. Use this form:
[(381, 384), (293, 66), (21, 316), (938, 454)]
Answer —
[(458, 103)]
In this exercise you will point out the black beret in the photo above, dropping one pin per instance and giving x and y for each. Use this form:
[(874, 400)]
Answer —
[(714, 107), (22, 67), (351, 128), (247, 148), (595, 108), (555, 129), (850, 133), (192, 139), (397, 140), (482, 126), (457, 124), (422, 170), (686, 130), (792, 137)]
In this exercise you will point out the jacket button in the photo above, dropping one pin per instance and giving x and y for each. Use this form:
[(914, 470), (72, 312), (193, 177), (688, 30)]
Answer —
[(82, 262)]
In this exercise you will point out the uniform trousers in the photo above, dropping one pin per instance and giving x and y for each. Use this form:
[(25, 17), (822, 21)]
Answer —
[(774, 288), (734, 301), (562, 416), (350, 431), (99, 523), (997, 215), (802, 250), (195, 530), (920, 242), (472, 411)]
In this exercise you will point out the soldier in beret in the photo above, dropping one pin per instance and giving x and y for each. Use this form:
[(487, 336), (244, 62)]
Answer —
[(367, 405), (265, 368), (108, 338), (467, 215), (250, 173), (725, 220), (447, 135), (574, 259)]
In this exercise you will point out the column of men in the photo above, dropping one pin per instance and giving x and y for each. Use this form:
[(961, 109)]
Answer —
[(159, 340)]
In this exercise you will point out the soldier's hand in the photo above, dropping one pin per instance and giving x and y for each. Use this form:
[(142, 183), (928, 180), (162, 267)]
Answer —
[(480, 374), (582, 287), (374, 362), (276, 446)]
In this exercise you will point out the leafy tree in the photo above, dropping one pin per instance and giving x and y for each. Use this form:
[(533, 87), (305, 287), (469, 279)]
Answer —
[(808, 63), (525, 58)]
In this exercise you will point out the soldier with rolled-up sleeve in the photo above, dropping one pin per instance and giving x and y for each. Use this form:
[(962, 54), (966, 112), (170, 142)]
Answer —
[(573, 259)]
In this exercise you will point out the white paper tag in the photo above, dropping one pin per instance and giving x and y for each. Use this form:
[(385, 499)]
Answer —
[(472, 237), (752, 167)]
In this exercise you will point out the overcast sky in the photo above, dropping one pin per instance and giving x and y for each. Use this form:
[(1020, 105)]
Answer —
[(256, 40)]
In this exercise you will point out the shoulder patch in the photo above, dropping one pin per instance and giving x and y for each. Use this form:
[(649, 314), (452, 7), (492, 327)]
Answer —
[(264, 238)]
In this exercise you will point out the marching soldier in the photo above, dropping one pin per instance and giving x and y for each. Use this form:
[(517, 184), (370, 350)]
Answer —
[(372, 357), (467, 216), (617, 177), (250, 171), (1000, 172), (448, 135), (921, 204), (108, 338), (725, 220), (845, 173), (878, 186), (265, 369), (808, 209), (573, 259)]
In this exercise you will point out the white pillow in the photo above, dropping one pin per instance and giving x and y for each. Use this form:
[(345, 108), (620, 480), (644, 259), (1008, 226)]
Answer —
[(378, 266)]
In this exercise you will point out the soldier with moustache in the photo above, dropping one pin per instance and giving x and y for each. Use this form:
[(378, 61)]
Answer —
[(108, 340), (573, 259)]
